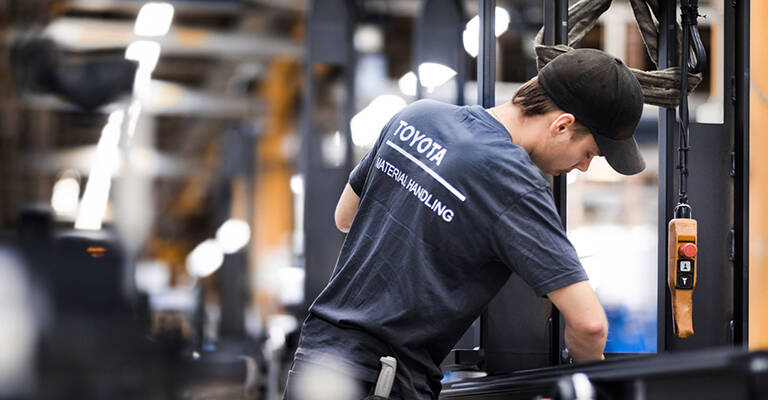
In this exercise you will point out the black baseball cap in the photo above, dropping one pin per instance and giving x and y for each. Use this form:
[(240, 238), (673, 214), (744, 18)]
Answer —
[(603, 95)]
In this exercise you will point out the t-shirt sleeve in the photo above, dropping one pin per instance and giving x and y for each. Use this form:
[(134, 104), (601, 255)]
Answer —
[(529, 238), (359, 174)]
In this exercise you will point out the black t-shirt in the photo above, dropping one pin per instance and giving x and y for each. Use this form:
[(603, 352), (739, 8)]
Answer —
[(449, 208)]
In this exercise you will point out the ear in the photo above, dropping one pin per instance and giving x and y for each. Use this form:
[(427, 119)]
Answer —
[(561, 123)]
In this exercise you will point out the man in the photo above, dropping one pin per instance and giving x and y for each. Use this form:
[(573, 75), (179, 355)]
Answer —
[(452, 200)]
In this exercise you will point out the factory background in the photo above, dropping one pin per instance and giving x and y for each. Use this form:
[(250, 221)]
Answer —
[(158, 171)]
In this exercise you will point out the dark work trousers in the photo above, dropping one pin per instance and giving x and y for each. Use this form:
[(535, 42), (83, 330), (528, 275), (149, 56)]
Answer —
[(299, 368)]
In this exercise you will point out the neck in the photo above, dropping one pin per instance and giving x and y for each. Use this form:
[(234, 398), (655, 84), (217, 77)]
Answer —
[(525, 131)]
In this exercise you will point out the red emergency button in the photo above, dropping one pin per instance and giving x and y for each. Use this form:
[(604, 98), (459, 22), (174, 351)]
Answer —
[(688, 250)]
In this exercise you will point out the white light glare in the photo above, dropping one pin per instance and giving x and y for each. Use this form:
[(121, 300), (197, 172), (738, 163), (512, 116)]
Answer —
[(334, 149), (433, 75), (297, 184), (368, 123), (96, 195), (205, 259), (408, 84), (471, 35), (368, 39), (146, 52), (66, 195), (154, 19), (233, 234)]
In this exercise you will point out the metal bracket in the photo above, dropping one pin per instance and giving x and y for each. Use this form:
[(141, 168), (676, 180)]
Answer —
[(732, 332), (732, 245)]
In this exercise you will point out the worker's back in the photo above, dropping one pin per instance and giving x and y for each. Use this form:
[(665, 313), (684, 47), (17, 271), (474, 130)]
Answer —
[(449, 207)]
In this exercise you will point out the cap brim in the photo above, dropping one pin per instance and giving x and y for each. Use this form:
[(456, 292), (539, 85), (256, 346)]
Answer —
[(622, 155)]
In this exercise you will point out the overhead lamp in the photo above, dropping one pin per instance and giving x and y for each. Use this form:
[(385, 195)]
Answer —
[(368, 123), (471, 34), (407, 84), (154, 19), (205, 259), (66, 194), (369, 39), (433, 75), (333, 149), (233, 234), (297, 184)]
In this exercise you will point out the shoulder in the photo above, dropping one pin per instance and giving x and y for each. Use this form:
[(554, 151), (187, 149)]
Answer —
[(427, 109)]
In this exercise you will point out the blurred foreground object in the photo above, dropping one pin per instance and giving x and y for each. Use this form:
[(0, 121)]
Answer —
[(89, 81), (18, 338)]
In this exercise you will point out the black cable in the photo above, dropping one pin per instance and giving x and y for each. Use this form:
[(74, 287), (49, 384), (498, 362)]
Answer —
[(689, 13)]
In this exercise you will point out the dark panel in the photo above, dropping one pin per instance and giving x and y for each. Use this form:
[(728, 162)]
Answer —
[(88, 274), (516, 334), (329, 24), (439, 32), (438, 39), (233, 294), (709, 189), (323, 240)]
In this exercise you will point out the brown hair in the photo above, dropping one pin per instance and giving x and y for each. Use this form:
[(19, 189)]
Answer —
[(533, 100)]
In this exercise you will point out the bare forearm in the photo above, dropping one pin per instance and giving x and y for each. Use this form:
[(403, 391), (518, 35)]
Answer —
[(346, 209), (586, 344)]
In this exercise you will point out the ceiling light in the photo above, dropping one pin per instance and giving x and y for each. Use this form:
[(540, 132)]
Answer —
[(205, 259), (66, 195), (408, 84), (154, 19), (433, 75), (368, 39), (233, 235), (368, 123), (297, 184), (471, 35)]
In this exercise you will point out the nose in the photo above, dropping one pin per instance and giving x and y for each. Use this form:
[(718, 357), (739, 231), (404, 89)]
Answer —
[(584, 165)]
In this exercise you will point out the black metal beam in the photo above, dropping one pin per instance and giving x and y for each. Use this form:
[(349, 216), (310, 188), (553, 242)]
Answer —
[(741, 200), (667, 133), (556, 32), (329, 42), (486, 58), (486, 96), (710, 374)]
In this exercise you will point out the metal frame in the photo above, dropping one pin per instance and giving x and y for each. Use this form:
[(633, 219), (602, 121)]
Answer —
[(741, 203), (701, 375), (721, 299), (486, 96), (556, 32), (330, 23), (667, 133)]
